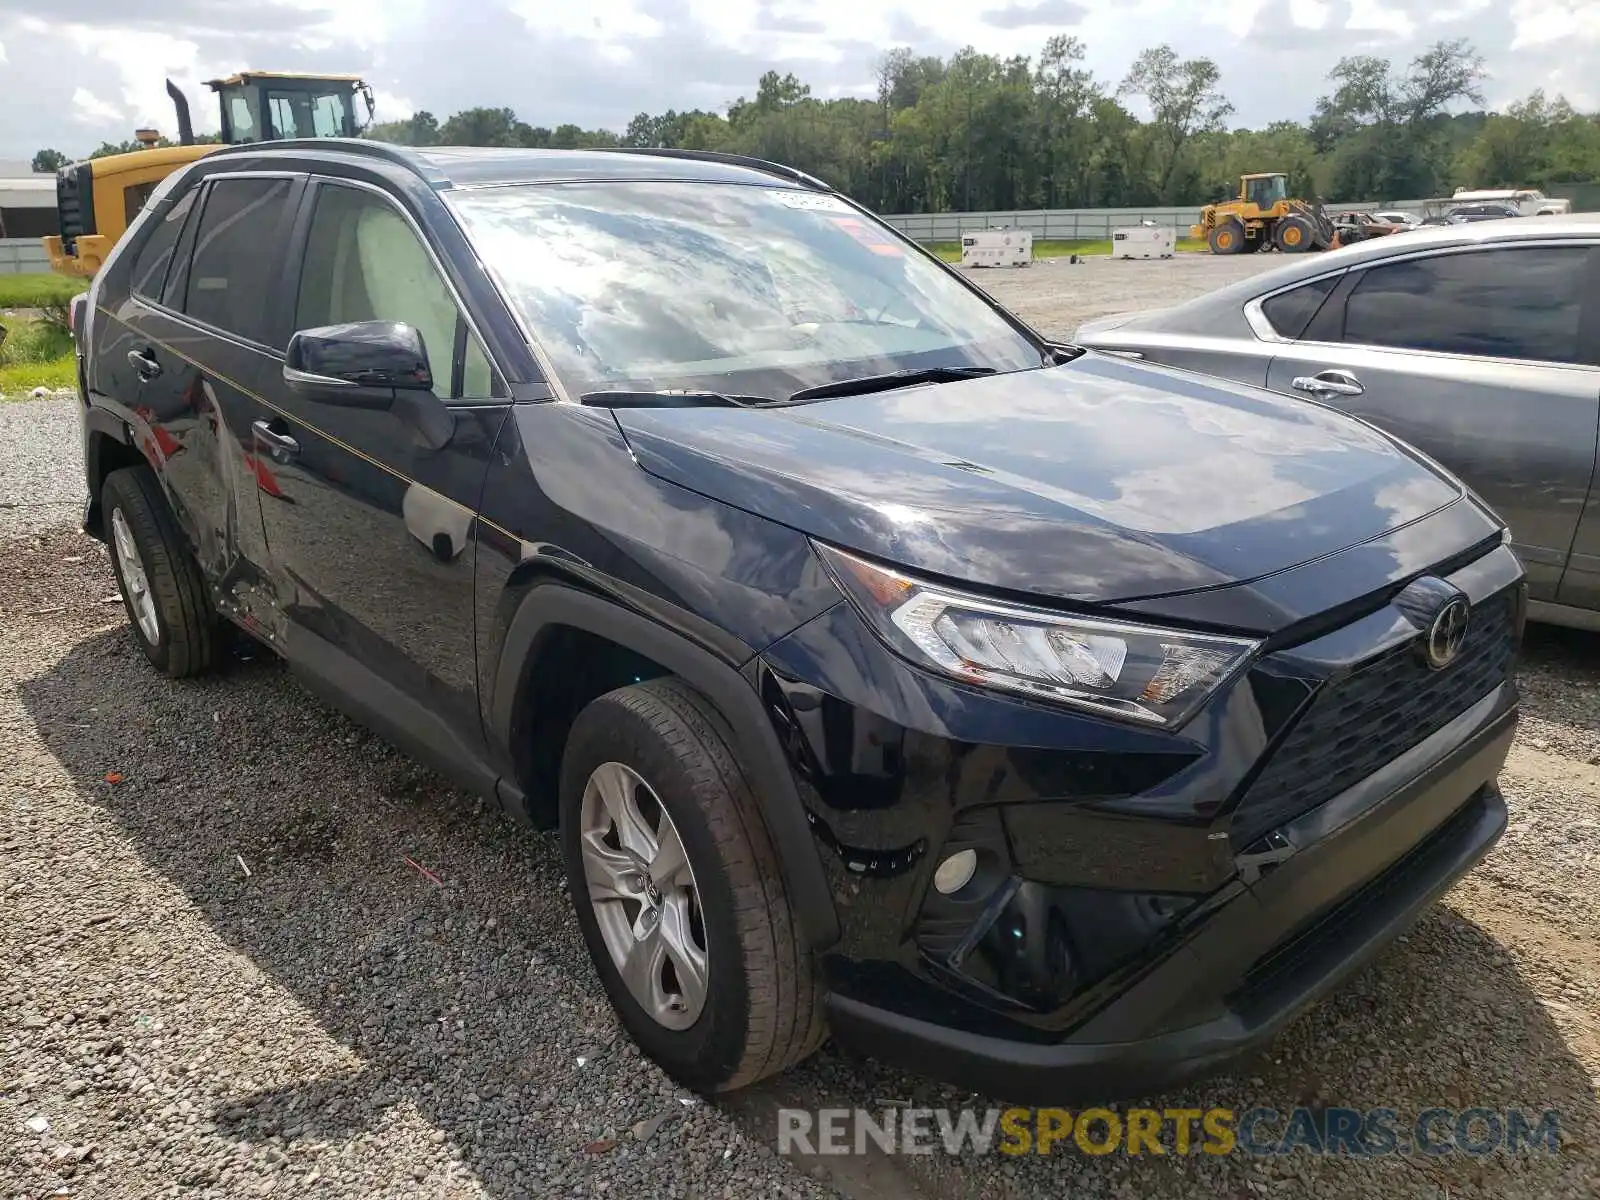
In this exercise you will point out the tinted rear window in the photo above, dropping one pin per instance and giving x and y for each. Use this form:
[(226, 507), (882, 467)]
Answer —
[(150, 268), (1512, 302), (237, 254), (1290, 312)]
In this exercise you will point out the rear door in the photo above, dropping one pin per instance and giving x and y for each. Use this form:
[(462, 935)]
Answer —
[(1486, 360), (199, 343), (369, 519)]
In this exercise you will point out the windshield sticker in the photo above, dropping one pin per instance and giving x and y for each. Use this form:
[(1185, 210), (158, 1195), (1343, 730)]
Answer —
[(870, 236), (811, 201)]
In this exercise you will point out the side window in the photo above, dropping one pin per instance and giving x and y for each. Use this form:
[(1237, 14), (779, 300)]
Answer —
[(364, 262), (150, 268), (1515, 302), (237, 251), (241, 119), (1290, 312)]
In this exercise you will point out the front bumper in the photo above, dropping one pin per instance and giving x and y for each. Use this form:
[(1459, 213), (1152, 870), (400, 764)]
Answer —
[(1364, 867)]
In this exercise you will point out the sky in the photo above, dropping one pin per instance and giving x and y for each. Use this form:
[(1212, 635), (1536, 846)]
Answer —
[(73, 81)]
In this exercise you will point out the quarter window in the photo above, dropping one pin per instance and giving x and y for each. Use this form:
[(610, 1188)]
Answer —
[(364, 262), (155, 256), (1290, 312), (1516, 302), (236, 255)]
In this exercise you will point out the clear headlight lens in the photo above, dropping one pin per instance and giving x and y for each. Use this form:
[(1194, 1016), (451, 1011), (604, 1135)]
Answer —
[(1145, 673)]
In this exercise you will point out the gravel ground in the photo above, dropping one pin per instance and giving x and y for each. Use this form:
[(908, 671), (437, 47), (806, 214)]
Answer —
[(1056, 295), (36, 438), (221, 976)]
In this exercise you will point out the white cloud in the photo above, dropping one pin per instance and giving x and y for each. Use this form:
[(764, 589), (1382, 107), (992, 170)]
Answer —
[(600, 61), (89, 109)]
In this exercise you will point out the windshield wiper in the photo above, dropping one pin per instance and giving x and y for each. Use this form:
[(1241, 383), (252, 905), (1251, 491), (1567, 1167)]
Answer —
[(670, 399), (883, 383)]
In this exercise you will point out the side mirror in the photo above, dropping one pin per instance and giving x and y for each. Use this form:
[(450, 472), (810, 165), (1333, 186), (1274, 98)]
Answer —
[(359, 365)]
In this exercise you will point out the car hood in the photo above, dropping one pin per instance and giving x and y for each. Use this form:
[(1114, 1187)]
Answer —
[(1098, 480)]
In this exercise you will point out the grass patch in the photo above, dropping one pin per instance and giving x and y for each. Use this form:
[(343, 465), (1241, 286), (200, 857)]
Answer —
[(19, 380), (35, 353), (1059, 247), (38, 291)]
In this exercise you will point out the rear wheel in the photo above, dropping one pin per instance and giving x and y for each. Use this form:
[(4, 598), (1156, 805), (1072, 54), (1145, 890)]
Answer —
[(679, 893), (160, 582), (1294, 235), (1227, 237)]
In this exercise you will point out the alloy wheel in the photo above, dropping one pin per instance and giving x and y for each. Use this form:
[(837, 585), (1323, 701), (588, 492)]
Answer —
[(135, 583), (642, 890)]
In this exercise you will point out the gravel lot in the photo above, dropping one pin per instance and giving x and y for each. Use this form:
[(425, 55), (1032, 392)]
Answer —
[(220, 975)]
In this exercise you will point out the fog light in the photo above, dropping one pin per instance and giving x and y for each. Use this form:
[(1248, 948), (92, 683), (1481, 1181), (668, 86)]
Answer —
[(955, 872)]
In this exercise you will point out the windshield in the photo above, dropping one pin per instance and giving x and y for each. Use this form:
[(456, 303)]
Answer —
[(1264, 193), (737, 289)]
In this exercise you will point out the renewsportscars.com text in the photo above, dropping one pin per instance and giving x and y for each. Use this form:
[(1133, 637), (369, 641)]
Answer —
[(1095, 1131)]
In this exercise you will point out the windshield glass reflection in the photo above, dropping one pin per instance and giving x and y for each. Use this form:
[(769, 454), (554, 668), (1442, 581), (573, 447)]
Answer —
[(738, 289)]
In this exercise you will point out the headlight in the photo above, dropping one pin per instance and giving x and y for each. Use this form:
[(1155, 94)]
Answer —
[(1144, 673)]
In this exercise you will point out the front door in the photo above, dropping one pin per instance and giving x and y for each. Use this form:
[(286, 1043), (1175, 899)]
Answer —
[(1480, 359), (369, 521)]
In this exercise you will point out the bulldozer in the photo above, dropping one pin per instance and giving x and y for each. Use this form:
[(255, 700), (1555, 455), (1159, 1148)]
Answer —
[(98, 199), (1264, 216)]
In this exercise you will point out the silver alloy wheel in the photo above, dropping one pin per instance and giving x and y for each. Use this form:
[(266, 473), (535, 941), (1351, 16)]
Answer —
[(643, 893), (135, 584)]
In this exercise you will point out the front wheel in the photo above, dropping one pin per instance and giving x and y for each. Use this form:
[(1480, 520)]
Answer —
[(1227, 237), (1295, 235), (678, 891)]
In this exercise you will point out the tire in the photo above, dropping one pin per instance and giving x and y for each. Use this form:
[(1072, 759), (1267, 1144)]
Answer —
[(1294, 235), (1227, 237), (178, 630), (762, 1008)]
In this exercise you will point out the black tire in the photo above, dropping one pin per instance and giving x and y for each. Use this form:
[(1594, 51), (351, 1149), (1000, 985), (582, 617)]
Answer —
[(188, 640), (1295, 235), (763, 1012), (1227, 237)]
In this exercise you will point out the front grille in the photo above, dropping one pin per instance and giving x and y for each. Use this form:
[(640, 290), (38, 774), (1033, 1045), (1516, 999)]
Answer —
[(1374, 714)]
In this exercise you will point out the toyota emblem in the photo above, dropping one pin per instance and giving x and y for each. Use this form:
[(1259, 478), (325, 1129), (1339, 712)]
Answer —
[(1447, 632)]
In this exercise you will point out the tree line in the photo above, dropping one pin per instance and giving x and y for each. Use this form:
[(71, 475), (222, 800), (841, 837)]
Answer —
[(979, 132)]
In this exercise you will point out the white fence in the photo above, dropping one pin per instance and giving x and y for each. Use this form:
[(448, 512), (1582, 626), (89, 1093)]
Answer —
[(1053, 223), (20, 256), (1068, 224)]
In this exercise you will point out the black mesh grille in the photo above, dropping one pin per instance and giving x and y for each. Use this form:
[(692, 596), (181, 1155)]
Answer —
[(74, 203), (1377, 712)]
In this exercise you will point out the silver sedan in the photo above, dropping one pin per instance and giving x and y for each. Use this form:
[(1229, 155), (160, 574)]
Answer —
[(1478, 344)]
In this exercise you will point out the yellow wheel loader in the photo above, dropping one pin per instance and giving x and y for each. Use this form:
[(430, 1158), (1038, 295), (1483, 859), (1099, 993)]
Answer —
[(98, 199), (1264, 216)]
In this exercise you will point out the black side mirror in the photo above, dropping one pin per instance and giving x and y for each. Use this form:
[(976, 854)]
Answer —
[(359, 365)]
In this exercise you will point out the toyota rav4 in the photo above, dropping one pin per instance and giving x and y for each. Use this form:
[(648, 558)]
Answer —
[(1049, 722)]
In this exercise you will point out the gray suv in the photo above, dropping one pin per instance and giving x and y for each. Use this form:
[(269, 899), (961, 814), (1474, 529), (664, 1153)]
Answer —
[(1478, 344)]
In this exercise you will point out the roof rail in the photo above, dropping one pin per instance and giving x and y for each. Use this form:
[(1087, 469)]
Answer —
[(732, 160), (366, 147)]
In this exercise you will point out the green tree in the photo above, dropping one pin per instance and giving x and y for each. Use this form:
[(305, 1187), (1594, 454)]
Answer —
[(47, 162), (481, 127), (1384, 130), (1185, 98)]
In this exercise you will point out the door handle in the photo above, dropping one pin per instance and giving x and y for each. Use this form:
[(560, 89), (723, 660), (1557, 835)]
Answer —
[(1328, 383), (279, 444), (144, 363)]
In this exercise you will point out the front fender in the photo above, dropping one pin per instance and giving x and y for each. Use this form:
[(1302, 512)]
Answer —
[(548, 606)]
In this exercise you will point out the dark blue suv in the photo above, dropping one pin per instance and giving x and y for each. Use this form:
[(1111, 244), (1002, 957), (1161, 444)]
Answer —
[(1052, 723)]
